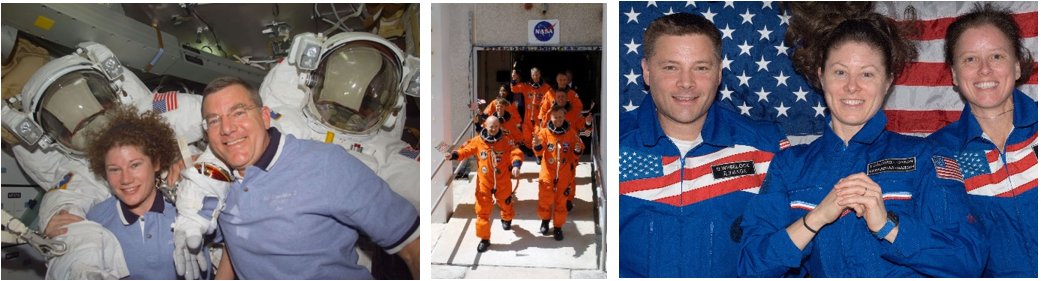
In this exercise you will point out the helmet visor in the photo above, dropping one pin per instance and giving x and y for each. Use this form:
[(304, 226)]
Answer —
[(357, 88), (74, 105)]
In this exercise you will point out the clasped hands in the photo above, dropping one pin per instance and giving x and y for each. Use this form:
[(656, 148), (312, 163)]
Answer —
[(856, 192)]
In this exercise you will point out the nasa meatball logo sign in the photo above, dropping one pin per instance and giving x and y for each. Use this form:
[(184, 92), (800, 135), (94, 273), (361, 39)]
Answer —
[(543, 32)]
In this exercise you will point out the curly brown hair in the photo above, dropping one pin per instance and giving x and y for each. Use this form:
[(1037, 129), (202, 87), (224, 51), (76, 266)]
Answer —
[(818, 27), (1001, 18), (147, 131)]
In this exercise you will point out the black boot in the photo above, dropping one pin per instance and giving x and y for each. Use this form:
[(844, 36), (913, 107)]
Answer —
[(544, 229), (569, 206), (483, 246), (506, 224), (557, 234)]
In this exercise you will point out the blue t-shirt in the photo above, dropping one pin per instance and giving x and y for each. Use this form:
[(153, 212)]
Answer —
[(147, 240), (299, 211)]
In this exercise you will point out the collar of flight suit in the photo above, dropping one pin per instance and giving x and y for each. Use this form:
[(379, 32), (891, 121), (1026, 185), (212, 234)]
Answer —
[(721, 135), (1023, 115), (867, 135)]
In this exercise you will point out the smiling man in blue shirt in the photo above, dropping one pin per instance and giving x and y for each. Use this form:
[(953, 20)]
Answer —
[(298, 207), (688, 167)]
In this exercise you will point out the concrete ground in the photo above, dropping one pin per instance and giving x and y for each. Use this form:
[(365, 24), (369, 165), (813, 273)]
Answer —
[(521, 252)]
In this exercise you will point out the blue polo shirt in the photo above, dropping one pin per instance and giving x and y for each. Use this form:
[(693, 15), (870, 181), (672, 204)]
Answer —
[(147, 240), (298, 212)]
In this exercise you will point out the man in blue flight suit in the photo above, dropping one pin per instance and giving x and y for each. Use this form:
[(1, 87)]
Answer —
[(688, 167)]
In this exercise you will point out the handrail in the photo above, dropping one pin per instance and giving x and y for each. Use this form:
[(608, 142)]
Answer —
[(461, 134), (601, 195), (444, 189)]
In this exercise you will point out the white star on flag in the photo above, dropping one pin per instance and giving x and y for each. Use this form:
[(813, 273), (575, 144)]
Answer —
[(727, 32), (759, 82), (782, 110), (726, 93), (632, 77), (632, 46)]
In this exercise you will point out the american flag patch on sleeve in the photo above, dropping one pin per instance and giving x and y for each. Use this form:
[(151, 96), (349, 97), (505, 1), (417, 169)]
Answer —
[(164, 102), (947, 168), (410, 153)]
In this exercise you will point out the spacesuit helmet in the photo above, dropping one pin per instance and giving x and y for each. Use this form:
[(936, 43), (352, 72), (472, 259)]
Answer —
[(68, 96), (357, 80)]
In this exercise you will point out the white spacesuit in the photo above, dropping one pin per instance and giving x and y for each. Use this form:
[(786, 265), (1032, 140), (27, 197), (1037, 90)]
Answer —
[(347, 89), (60, 104)]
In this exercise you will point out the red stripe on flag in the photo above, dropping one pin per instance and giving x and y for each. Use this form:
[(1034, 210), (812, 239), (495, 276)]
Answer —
[(713, 190), (1014, 168), (1019, 190), (937, 29), (173, 97), (627, 187), (925, 74), (993, 156), (1022, 144), (666, 160), (936, 74), (671, 200), (910, 121)]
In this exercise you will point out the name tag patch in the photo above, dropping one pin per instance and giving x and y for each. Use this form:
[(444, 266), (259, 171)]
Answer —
[(891, 165), (733, 169)]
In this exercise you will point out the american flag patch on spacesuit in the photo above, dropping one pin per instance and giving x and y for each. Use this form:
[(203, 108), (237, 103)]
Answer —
[(164, 102), (410, 153), (947, 168), (275, 115)]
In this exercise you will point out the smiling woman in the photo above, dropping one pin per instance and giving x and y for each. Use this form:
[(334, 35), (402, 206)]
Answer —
[(129, 152), (988, 60), (860, 201)]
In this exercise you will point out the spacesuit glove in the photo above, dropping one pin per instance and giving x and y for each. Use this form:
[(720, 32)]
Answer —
[(200, 199), (186, 263)]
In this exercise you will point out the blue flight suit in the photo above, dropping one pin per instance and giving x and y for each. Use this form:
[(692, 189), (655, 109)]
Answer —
[(1002, 201), (934, 238), (680, 216)]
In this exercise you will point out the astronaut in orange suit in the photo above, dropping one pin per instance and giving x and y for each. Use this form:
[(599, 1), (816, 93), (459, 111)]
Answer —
[(533, 94), (559, 147), (494, 151), (566, 98), (508, 117), (572, 114), (571, 100)]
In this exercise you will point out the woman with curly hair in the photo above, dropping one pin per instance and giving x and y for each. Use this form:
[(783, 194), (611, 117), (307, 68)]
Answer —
[(129, 153), (859, 201)]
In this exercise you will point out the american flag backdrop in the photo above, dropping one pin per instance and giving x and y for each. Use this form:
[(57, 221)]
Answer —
[(759, 81)]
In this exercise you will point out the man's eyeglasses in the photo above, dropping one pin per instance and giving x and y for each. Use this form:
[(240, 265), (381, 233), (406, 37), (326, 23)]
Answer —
[(238, 113)]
